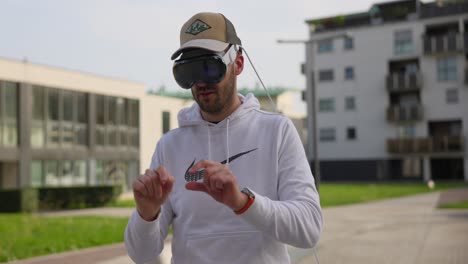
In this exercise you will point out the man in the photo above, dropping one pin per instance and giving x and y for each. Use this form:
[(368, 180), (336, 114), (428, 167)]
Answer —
[(232, 180)]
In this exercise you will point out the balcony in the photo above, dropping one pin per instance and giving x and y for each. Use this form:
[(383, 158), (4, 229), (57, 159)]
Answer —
[(436, 144), (400, 82), (397, 113), (442, 44)]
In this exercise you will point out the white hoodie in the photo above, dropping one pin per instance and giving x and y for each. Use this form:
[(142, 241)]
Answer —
[(267, 156)]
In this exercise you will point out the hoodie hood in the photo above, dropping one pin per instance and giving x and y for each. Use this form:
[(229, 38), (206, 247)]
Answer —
[(191, 116)]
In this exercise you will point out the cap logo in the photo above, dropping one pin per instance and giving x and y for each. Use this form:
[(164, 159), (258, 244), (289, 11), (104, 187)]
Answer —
[(197, 27)]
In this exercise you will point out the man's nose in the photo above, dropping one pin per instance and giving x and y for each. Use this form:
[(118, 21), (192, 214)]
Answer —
[(200, 84)]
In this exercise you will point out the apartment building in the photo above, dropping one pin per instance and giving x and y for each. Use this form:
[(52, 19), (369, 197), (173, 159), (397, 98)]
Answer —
[(68, 128), (391, 87)]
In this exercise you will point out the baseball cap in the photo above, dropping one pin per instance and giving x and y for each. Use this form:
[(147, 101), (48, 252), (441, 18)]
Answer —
[(211, 31)]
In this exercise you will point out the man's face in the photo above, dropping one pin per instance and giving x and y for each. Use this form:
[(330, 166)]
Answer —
[(214, 98)]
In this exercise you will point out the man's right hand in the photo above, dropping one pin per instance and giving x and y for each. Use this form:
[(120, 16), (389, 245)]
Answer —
[(151, 190)]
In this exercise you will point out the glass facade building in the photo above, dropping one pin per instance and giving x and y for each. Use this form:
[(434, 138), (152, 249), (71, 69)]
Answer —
[(51, 136)]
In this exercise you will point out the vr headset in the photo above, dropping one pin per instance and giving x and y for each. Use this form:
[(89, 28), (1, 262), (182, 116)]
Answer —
[(209, 68)]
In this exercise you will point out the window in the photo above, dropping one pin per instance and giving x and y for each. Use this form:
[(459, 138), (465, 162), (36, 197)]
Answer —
[(327, 105), (447, 69), (36, 173), (79, 172), (111, 111), (327, 134), (38, 124), (58, 173), (110, 172), (81, 128), (451, 96), (51, 173), (53, 113), (325, 46), (406, 131), (326, 75), (348, 44), (350, 103), (100, 109), (117, 122), (351, 133), (166, 122), (66, 178), (403, 42), (9, 113), (349, 73)]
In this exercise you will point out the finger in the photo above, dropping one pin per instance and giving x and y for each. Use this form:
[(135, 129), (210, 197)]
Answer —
[(207, 182), (156, 182), (147, 180), (196, 186), (139, 187), (163, 174), (167, 188), (202, 164)]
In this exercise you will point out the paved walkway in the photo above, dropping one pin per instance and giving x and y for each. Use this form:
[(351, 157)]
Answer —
[(406, 230)]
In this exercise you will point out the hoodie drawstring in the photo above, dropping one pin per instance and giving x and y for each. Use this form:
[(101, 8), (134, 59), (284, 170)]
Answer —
[(227, 142), (209, 141)]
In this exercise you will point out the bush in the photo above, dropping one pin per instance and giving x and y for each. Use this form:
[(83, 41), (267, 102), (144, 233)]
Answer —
[(57, 198), (18, 200)]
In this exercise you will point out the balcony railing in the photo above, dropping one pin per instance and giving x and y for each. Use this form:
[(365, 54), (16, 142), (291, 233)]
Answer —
[(442, 44), (466, 74), (399, 82), (397, 113), (436, 144)]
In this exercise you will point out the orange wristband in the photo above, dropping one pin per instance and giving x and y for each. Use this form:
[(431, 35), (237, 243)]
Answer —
[(246, 206)]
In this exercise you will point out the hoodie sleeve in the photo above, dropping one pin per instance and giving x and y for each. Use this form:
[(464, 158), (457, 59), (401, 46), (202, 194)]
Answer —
[(145, 240), (296, 218)]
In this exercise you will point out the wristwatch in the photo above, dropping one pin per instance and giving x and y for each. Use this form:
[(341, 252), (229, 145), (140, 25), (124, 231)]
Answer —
[(251, 199)]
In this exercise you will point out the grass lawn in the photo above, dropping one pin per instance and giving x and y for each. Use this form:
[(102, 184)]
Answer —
[(25, 235), (342, 194), (460, 205)]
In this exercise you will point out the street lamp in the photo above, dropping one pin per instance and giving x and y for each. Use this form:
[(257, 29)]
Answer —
[(311, 98)]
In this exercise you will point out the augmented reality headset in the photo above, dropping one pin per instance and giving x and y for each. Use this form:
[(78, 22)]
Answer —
[(209, 68)]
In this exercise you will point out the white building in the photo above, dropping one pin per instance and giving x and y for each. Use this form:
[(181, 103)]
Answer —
[(392, 95)]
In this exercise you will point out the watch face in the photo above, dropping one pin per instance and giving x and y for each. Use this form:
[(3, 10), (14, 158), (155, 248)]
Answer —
[(248, 192)]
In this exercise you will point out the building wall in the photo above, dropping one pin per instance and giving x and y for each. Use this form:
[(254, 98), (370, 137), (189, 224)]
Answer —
[(151, 123), (373, 51)]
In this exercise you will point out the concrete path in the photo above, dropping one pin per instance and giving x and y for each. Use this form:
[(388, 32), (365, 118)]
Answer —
[(406, 230)]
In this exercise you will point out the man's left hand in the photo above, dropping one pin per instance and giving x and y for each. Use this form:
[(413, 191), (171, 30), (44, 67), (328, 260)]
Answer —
[(219, 183)]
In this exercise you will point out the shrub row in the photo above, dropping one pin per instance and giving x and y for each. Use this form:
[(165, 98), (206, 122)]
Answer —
[(57, 198)]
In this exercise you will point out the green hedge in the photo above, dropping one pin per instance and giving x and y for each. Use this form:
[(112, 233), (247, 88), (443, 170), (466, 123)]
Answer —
[(57, 198), (18, 200)]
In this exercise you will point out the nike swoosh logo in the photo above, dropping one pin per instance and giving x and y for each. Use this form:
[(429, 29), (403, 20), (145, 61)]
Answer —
[(190, 177)]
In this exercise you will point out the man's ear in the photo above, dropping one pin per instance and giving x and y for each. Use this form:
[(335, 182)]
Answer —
[(239, 64)]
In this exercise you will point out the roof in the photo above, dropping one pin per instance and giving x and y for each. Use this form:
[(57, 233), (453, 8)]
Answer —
[(390, 11), (258, 92)]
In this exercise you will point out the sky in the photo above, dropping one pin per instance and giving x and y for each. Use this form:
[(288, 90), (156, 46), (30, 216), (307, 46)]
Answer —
[(134, 39)]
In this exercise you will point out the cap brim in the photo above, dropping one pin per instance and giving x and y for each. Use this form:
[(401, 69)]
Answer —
[(209, 44)]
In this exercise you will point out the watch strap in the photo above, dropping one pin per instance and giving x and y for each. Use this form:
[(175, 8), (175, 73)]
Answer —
[(251, 199)]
